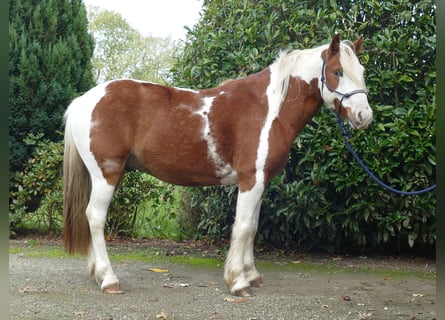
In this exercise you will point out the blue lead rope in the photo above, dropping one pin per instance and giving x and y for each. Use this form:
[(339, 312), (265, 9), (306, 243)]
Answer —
[(347, 134)]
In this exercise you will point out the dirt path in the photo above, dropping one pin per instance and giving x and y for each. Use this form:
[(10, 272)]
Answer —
[(57, 288)]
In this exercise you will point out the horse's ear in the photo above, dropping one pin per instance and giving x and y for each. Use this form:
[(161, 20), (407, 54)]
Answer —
[(335, 45), (357, 45)]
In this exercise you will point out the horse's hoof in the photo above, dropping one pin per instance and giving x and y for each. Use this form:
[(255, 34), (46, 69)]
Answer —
[(257, 283), (245, 292), (113, 289)]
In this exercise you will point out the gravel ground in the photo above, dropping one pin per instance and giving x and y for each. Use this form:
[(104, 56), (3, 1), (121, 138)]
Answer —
[(58, 288)]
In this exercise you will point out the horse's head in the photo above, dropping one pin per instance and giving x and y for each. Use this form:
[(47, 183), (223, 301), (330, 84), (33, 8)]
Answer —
[(342, 83)]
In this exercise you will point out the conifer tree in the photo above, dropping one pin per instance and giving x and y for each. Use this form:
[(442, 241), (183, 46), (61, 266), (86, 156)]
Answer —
[(50, 53)]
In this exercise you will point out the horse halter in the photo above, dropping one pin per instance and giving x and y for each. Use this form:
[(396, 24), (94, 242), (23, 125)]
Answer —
[(343, 95)]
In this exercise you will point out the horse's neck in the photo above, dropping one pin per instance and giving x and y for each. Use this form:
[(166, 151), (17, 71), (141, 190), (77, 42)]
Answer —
[(302, 102)]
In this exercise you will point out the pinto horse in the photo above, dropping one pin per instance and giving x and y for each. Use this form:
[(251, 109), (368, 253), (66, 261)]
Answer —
[(237, 133)]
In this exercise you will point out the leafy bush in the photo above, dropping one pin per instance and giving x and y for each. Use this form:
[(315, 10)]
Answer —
[(159, 219), (323, 199), (136, 190), (36, 198), (207, 213)]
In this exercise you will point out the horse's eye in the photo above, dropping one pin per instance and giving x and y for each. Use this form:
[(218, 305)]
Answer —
[(338, 73)]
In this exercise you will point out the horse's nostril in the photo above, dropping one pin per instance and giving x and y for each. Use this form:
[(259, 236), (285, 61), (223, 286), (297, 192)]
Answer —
[(360, 118)]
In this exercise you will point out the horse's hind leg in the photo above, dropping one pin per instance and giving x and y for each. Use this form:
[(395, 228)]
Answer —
[(98, 261)]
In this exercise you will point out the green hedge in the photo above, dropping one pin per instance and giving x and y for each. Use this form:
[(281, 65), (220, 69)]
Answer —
[(36, 195), (323, 199)]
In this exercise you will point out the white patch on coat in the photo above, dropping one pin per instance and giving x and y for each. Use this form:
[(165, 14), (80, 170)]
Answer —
[(110, 165), (79, 114), (224, 170)]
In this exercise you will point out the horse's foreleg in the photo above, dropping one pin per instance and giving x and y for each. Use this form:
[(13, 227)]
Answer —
[(250, 270), (98, 261), (240, 270)]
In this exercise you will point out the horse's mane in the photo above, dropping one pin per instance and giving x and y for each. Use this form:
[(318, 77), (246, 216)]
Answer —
[(283, 66), (351, 65)]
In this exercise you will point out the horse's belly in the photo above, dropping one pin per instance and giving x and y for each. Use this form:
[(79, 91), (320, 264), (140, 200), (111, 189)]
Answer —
[(187, 176), (194, 179), (185, 168)]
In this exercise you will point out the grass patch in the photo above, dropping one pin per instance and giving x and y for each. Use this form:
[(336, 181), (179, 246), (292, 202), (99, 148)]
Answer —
[(191, 261), (116, 254), (202, 262), (34, 249), (39, 251), (154, 254), (331, 268)]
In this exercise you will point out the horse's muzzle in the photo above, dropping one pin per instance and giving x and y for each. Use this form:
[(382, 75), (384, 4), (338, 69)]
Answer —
[(361, 119)]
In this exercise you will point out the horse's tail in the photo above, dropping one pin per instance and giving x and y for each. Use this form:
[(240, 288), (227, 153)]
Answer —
[(76, 193)]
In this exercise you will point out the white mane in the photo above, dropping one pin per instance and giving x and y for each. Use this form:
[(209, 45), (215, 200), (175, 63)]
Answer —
[(351, 65), (281, 71)]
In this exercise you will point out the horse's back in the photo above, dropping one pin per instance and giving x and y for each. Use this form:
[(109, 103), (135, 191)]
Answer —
[(158, 129)]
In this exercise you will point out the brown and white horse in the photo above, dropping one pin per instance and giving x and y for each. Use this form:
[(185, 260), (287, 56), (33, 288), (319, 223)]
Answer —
[(238, 133)]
